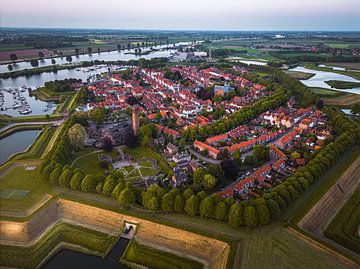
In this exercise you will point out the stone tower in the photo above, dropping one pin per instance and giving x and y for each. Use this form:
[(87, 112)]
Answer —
[(135, 119)]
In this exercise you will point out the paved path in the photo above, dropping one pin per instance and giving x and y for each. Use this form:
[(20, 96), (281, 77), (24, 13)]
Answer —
[(10, 125)]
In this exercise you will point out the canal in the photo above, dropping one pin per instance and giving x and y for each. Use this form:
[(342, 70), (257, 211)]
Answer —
[(16, 142), (66, 258)]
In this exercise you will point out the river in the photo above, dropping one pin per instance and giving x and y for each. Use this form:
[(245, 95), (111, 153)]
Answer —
[(16, 142), (123, 55), (318, 81)]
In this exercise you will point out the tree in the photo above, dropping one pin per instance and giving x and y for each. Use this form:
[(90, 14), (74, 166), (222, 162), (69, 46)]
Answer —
[(261, 152), (41, 54), (237, 157), (216, 171), (167, 202), (250, 216), (13, 57), (107, 143), (109, 185), (77, 136), (99, 187), (209, 181), (55, 174), (262, 211), (97, 115), (192, 205), (235, 215), (273, 208), (76, 180), (34, 63), (89, 50), (230, 168), (201, 195), (68, 58), (77, 51), (206, 208), (221, 211), (53, 61), (229, 201), (48, 169), (188, 193), (320, 104), (153, 204), (88, 183), (179, 203), (126, 197), (117, 190), (64, 179), (198, 175), (10, 67)]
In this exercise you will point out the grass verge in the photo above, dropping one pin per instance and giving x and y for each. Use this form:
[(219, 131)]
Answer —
[(157, 259)]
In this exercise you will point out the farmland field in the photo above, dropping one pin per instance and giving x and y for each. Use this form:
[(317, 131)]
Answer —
[(24, 54)]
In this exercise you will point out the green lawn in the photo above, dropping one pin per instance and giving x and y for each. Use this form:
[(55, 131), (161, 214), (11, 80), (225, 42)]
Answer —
[(321, 92), (344, 227), (20, 179), (147, 171), (343, 84), (29, 257), (156, 259), (89, 163)]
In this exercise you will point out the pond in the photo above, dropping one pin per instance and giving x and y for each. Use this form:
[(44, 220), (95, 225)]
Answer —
[(318, 81), (16, 142), (123, 55)]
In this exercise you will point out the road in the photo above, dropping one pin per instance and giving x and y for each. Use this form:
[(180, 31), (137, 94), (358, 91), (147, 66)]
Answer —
[(8, 126), (206, 159)]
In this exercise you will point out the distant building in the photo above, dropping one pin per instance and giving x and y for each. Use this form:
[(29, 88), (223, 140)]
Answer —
[(221, 90)]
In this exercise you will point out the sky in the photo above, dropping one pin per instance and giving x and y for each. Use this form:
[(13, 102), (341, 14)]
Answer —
[(332, 15)]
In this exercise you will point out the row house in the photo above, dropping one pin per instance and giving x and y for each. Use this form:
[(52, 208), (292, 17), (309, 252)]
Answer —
[(213, 152)]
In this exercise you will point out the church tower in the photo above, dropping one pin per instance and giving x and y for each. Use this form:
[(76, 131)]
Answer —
[(135, 119)]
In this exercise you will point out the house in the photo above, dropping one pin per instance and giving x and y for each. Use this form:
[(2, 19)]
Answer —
[(171, 149), (179, 177), (213, 152), (181, 157), (216, 139)]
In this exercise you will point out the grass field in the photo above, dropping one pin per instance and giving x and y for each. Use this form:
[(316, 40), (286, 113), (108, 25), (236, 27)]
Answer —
[(344, 227), (25, 180), (343, 84), (325, 93), (299, 75), (157, 259), (29, 257), (89, 163)]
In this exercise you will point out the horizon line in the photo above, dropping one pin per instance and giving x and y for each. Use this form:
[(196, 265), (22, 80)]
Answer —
[(170, 30)]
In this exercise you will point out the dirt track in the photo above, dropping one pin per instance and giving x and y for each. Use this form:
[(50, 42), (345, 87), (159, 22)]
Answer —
[(317, 219)]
